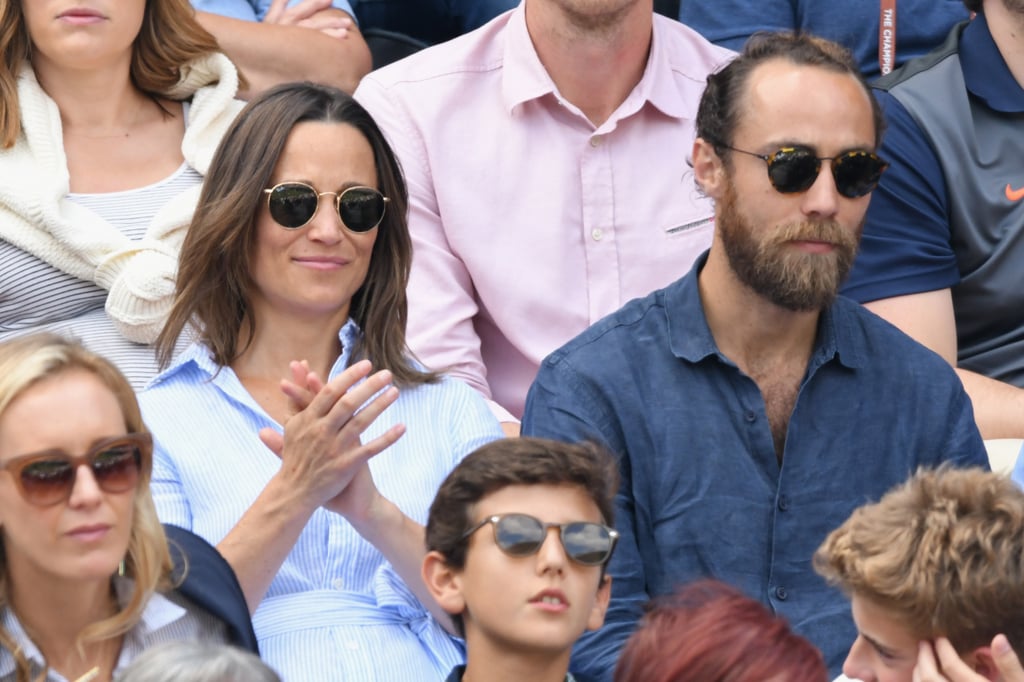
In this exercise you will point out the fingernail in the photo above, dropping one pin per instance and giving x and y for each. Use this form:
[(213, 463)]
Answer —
[(1000, 645)]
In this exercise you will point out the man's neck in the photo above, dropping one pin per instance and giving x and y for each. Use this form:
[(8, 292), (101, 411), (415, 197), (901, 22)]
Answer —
[(1007, 28), (594, 64), (749, 329)]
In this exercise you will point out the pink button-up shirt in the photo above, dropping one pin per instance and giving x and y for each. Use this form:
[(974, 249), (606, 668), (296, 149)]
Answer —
[(528, 223)]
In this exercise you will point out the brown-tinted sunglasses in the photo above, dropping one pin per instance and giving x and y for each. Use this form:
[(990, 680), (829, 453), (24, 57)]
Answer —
[(47, 478)]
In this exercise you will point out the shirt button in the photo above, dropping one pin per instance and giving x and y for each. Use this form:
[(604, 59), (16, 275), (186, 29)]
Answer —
[(352, 645), (338, 584), (781, 593), (784, 503), (595, 141), (750, 417), (597, 234)]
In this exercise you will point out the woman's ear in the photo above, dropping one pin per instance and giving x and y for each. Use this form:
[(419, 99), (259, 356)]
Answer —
[(444, 583), (708, 168)]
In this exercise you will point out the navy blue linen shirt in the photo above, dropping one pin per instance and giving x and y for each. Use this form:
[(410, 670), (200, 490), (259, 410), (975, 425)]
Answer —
[(703, 494)]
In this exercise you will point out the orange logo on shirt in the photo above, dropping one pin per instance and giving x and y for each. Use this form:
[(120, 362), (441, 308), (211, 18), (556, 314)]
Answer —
[(1014, 194)]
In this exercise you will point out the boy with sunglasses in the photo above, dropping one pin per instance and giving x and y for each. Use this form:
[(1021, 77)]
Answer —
[(751, 408), (518, 537)]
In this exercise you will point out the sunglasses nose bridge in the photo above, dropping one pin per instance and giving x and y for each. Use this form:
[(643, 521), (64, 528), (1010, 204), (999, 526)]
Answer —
[(822, 196), (84, 489), (326, 225), (552, 555)]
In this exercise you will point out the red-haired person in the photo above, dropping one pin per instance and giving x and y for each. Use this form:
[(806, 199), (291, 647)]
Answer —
[(711, 632)]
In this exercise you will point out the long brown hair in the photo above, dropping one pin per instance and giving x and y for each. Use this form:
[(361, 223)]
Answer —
[(28, 360), (213, 267), (170, 38)]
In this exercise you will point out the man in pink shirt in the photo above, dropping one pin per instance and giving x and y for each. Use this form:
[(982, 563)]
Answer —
[(546, 158)]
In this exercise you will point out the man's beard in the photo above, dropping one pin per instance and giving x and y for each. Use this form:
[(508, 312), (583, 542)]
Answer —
[(786, 276)]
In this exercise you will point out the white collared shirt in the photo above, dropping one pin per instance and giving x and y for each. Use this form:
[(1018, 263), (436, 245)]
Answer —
[(167, 618)]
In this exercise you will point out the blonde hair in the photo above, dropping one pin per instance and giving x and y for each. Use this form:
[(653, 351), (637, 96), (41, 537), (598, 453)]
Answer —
[(944, 552), (23, 363), (169, 39)]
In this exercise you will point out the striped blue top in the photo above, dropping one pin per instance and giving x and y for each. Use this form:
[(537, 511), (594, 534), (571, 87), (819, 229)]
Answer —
[(335, 610)]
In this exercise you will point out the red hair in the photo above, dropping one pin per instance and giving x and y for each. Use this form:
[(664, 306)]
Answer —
[(710, 632)]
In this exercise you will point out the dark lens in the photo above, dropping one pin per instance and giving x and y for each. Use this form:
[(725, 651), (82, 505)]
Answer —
[(292, 205), (857, 173), (116, 467), (48, 480), (793, 170), (518, 534), (361, 208), (586, 543)]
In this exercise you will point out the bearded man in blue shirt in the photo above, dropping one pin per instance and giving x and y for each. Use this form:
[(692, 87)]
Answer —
[(751, 408)]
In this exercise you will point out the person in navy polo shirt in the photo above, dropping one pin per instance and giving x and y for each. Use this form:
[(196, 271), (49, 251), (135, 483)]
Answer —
[(944, 237)]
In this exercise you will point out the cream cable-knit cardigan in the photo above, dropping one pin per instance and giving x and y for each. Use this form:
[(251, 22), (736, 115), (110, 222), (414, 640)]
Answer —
[(36, 216)]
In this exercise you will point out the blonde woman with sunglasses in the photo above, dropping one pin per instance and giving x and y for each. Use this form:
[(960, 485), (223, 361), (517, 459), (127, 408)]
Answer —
[(86, 574), (294, 273)]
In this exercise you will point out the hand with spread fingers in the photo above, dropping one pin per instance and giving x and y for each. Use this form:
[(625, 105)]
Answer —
[(332, 417), (939, 662), (321, 450)]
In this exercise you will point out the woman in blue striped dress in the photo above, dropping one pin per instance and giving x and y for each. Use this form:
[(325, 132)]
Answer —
[(297, 433)]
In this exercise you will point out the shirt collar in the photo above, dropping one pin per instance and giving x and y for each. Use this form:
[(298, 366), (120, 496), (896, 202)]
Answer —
[(690, 337), (21, 640), (158, 613), (658, 85), (524, 77), (199, 356), (985, 71)]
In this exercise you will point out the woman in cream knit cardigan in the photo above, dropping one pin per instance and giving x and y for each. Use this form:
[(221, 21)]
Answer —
[(109, 116)]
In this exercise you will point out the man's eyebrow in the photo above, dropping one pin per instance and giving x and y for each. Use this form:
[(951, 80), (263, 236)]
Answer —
[(776, 145)]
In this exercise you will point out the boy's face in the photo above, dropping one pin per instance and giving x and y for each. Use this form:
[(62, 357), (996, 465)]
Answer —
[(535, 603), (885, 649)]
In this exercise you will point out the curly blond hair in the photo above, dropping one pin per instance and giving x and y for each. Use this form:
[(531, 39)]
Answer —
[(944, 551)]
